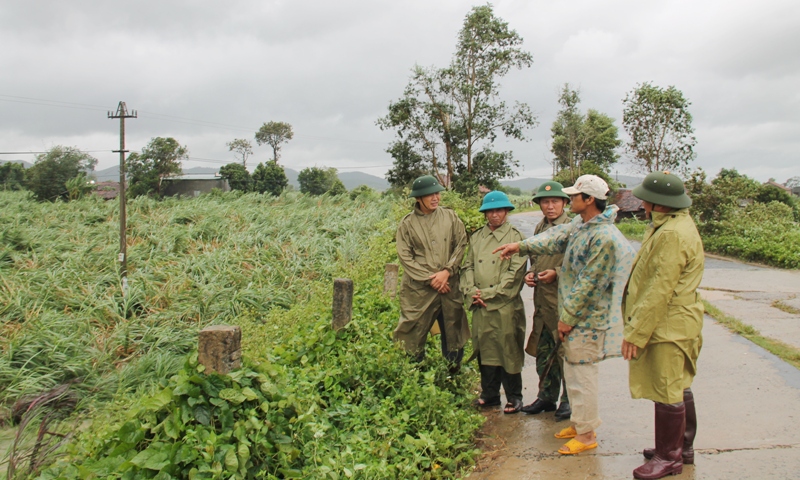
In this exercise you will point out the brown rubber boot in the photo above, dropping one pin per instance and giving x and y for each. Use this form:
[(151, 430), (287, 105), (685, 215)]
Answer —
[(688, 436), (667, 460)]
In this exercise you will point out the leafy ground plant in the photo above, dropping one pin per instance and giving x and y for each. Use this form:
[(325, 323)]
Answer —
[(334, 405)]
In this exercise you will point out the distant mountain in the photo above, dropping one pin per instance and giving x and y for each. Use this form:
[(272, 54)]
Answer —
[(528, 185), (23, 162), (352, 180), (112, 173)]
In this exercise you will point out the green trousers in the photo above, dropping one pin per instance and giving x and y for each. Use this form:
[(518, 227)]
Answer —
[(553, 381)]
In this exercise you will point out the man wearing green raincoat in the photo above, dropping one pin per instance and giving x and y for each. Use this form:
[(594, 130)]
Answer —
[(543, 277), (491, 289), (663, 322), (430, 245), (597, 262)]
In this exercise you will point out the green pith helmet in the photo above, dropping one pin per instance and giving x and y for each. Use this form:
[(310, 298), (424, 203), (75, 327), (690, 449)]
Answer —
[(425, 185), (550, 189), (663, 188), (495, 199)]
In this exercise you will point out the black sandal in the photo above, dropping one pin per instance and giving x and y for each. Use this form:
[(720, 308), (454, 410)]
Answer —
[(483, 403), (514, 405)]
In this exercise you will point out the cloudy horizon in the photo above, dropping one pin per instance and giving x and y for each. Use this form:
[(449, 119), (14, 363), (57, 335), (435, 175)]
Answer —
[(208, 72)]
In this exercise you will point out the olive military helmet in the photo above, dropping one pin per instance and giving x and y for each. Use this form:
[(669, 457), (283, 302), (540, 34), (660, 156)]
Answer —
[(495, 199), (425, 185), (663, 188), (550, 189)]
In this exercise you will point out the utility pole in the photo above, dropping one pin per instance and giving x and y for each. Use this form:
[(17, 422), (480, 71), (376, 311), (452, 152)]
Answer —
[(122, 114)]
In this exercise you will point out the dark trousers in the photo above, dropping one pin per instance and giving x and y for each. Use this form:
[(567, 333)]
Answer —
[(452, 356), (493, 376), (553, 381)]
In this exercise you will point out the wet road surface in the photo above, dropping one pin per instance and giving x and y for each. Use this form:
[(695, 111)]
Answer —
[(747, 400)]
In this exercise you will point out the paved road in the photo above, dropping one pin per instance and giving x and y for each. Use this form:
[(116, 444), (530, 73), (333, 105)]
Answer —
[(748, 401)]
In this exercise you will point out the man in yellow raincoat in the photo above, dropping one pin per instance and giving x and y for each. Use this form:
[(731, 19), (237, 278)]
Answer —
[(430, 245), (663, 322), (491, 289)]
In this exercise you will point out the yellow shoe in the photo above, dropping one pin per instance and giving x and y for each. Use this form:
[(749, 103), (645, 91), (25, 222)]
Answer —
[(568, 432), (573, 447)]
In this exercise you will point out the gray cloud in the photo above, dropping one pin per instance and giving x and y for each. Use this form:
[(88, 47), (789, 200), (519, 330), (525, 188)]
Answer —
[(331, 68)]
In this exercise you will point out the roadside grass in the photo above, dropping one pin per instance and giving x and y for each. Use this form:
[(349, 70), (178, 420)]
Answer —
[(354, 403), (782, 350), (785, 308), (632, 228)]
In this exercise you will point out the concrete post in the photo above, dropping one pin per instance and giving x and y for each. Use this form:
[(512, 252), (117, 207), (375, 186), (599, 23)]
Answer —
[(220, 348), (390, 279), (342, 302)]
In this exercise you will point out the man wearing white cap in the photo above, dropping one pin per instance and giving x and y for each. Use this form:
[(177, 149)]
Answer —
[(597, 262)]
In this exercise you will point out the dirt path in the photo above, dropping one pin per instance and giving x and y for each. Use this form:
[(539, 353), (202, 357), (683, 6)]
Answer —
[(748, 401)]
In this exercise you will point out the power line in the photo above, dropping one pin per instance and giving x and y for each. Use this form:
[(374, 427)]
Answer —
[(161, 116)]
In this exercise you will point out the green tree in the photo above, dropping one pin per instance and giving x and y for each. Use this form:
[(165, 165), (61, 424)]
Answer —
[(726, 194), (659, 125), (146, 171), (408, 165), (237, 176), (269, 178), (578, 138), (447, 116), (242, 148), (79, 186), (48, 177), (364, 191), (12, 176), (274, 134), (487, 168), (793, 182), (318, 181)]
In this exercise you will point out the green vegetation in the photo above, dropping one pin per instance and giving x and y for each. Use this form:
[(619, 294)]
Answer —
[(739, 217), (310, 403), (786, 352), (632, 228), (448, 119), (48, 177), (785, 308)]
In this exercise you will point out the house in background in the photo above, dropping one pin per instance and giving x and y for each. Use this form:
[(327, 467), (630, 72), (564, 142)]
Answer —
[(629, 206), (193, 185)]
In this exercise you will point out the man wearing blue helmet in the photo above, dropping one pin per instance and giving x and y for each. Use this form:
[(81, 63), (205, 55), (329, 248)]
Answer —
[(491, 289)]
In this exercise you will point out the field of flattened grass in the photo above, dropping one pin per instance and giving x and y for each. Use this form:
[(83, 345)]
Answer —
[(308, 404)]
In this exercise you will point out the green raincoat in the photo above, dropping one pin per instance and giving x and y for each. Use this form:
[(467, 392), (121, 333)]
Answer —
[(428, 244), (498, 331), (663, 313), (597, 262), (545, 296)]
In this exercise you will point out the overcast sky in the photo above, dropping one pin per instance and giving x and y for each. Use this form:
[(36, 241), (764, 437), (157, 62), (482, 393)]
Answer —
[(206, 72)]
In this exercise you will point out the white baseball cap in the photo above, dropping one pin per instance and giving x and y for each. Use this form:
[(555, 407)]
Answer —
[(590, 185)]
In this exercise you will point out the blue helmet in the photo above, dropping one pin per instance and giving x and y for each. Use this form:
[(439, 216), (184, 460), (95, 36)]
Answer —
[(495, 199)]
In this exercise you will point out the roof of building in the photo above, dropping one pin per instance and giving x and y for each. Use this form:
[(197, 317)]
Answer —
[(107, 190), (196, 176), (773, 183), (626, 202)]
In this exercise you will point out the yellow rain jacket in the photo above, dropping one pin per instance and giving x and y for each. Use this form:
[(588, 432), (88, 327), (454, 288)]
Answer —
[(663, 312)]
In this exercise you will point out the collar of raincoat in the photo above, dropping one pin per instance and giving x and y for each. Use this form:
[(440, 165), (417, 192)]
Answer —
[(659, 218), (418, 211), (500, 231), (607, 216)]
